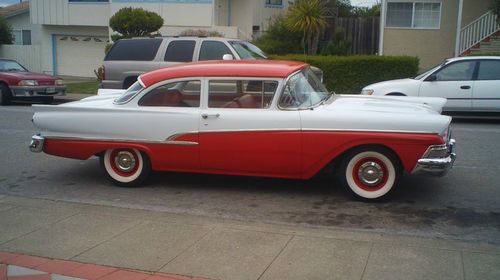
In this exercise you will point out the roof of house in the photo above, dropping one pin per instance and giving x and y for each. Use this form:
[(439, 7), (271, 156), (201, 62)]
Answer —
[(15, 9), (220, 68)]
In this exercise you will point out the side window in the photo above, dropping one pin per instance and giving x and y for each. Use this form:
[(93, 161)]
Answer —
[(134, 49), (180, 51), (460, 71), (180, 94), (489, 70), (245, 94), (213, 50)]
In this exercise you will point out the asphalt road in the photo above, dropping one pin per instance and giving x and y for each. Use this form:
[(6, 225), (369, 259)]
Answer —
[(464, 205)]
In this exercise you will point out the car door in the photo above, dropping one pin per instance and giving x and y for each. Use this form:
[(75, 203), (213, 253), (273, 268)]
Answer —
[(486, 93), (242, 132), (168, 116), (454, 82)]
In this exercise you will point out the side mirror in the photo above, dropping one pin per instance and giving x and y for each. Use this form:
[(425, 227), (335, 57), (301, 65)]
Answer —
[(431, 78), (227, 57)]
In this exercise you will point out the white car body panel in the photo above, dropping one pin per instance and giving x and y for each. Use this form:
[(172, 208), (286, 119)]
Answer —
[(468, 95)]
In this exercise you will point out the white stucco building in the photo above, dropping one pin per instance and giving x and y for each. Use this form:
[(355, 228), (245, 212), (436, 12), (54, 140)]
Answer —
[(68, 36)]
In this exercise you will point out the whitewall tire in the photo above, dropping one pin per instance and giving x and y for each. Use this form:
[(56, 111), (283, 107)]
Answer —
[(370, 173), (126, 167)]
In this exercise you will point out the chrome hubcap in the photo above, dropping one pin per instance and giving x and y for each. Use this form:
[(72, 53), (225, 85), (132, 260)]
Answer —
[(370, 173), (125, 161)]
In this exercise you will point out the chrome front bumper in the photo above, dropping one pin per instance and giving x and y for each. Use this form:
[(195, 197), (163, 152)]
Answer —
[(36, 145), (437, 166)]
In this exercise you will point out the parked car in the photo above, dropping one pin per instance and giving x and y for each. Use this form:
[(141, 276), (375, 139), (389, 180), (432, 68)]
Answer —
[(17, 82), (468, 83), (252, 118), (129, 58)]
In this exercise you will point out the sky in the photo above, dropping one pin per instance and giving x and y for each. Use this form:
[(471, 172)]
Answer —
[(366, 3), (8, 2)]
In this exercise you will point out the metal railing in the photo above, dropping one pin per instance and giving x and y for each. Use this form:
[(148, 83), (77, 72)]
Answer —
[(478, 30)]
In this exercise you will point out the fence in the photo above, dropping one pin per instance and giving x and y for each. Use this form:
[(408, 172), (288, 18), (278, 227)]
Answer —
[(28, 55), (363, 33)]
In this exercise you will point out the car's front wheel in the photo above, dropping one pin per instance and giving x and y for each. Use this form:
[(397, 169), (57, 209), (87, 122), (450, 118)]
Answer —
[(5, 95), (370, 173), (126, 167)]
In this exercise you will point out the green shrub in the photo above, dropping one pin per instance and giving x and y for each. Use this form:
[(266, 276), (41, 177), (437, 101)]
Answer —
[(134, 22), (349, 74), (279, 39), (6, 36), (338, 45)]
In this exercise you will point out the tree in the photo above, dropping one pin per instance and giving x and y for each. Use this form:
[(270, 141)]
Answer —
[(309, 17), (6, 36), (135, 22)]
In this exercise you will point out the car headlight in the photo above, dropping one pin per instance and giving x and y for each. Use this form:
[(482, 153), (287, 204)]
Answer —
[(28, 83), (367, 92), (59, 82)]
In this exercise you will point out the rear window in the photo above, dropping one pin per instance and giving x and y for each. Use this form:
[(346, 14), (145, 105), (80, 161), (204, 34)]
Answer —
[(135, 49), (180, 51)]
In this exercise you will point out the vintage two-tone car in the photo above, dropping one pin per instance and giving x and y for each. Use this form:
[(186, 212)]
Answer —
[(252, 118)]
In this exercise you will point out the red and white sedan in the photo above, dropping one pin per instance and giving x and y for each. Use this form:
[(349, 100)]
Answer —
[(252, 118)]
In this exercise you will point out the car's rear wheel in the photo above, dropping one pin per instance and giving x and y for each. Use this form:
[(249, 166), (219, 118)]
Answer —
[(370, 173), (126, 167), (5, 95)]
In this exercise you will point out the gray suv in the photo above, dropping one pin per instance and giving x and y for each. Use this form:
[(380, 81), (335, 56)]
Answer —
[(128, 58)]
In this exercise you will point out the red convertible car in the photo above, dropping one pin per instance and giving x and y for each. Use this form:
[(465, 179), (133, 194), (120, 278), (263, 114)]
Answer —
[(17, 82)]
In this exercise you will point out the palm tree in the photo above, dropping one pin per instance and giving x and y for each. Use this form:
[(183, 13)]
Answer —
[(309, 17)]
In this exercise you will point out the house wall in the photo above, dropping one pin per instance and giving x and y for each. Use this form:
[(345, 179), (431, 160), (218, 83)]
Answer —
[(61, 12), (264, 13), (241, 16), (430, 45), (474, 9), (22, 22), (28, 55)]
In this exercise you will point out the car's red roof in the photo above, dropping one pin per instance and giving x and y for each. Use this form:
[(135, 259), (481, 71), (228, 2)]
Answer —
[(232, 68)]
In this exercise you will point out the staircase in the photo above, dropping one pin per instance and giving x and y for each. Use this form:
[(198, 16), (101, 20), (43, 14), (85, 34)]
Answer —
[(488, 46), (482, 36)]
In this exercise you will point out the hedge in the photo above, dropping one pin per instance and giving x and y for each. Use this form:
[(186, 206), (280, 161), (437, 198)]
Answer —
[(349, 74)]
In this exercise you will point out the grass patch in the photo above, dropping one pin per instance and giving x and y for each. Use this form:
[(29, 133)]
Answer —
[(89, 87)]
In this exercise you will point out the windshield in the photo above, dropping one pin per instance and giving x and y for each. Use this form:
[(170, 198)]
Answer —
[(420, 76), (247, 50), (131, 92), (10, 65), (303, 90)]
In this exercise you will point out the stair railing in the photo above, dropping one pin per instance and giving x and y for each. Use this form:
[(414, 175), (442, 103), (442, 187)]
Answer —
[(478, 30)]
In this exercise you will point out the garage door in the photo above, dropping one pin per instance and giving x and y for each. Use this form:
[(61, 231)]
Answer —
[(79, 55)]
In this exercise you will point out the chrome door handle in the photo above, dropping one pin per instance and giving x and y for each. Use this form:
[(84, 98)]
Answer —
[(206, 116)]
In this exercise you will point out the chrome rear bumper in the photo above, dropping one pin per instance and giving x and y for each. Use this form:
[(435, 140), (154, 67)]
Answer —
[(436, 166), (36, 145)]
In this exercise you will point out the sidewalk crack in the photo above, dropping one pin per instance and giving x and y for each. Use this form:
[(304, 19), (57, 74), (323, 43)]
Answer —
[(188, 247), (366, 263), (108, 239), (276, 257)]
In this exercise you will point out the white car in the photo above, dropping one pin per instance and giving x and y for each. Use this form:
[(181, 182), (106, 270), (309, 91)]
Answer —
[(469, 84), (251, 118)]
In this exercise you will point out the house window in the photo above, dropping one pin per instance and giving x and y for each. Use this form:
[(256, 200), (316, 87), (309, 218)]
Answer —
[(419, 15), (22, 37), (274, 3)]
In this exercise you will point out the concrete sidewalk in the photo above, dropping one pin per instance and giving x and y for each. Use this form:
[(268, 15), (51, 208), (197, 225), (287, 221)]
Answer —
[(152, 241)]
